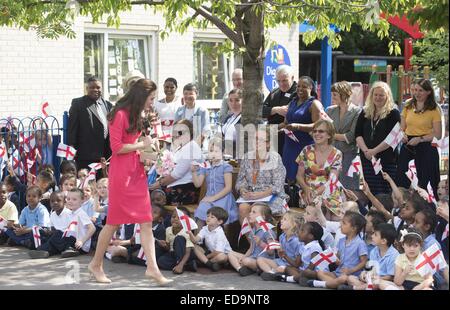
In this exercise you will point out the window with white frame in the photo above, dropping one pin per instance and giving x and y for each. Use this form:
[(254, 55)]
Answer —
[(110, 56), (210, 69)]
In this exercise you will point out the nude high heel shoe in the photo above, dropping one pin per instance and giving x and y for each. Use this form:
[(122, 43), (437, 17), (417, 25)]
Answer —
[(161, 281), (99, 278)]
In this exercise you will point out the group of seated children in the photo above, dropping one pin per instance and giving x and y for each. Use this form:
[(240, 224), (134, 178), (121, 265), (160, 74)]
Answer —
[(377, 250)]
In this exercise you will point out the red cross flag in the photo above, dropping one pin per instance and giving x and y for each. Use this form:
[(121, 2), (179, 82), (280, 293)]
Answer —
[(430, 261), (157, 132), (137, 233), (28, 141), (286, 206), (187, 223), (17, 164), (395, 136), (324, 115), (167, 122), (274, 245), (266, 226), (90, 177), (411, 169), (3, 224), (442, 144), (71, 230), (141, 254), (290, 134), (376, 164), (95, 166), (36, 236), (66, 151), (206, 164), (45, 109), (30, 163), (331, 185), (323, 259), (445, 233), (245, 228), (431, 198), (355, 167)]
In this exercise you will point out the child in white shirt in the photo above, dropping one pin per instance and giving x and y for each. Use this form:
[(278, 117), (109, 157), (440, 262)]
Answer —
[(215, 244)]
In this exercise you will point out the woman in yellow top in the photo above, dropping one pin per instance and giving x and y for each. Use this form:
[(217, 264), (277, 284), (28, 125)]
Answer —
[(421, 122)]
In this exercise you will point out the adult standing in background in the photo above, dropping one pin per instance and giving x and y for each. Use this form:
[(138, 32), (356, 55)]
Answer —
[(344, 115), (194, 113), (275, 106), (303, 112), (421, 122), (374, 124), (88, 127), (168, 106), (238, 81)]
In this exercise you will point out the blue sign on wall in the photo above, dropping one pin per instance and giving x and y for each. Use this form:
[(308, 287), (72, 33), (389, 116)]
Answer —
[(275, 57)]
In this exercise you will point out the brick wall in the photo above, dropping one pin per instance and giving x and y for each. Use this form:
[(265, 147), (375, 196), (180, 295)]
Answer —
[(34, 70)]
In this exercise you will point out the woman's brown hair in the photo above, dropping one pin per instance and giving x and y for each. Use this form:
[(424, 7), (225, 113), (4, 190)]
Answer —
[(134, 102)]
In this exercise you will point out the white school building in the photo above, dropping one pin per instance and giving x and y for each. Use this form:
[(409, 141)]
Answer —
[(34, 70)]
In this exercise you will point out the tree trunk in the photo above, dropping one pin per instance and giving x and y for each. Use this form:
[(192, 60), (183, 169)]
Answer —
[(253, 67)]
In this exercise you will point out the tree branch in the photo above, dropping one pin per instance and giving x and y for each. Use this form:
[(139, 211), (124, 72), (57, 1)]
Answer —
[(233, 36)]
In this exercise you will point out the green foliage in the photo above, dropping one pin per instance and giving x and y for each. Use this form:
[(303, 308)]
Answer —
[(431, 15), (432, 51)]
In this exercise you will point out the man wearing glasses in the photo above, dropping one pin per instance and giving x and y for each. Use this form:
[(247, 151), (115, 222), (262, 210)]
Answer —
[(276, 104)]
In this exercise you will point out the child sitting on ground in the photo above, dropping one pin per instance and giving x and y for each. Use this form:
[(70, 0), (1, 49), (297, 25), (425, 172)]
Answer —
[(8, 213), (35, 214), (290, 252), (259, 237), (80, 230), (179, 249), (159, 233), (310, 234), (352, 252), (59, 221), (215, 246), (406, 276), (373, 218), (384, 255)]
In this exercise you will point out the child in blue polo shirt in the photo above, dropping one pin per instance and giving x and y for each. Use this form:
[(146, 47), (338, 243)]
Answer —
[(382, 257), (291, 248), (35, 214), (352, 253)]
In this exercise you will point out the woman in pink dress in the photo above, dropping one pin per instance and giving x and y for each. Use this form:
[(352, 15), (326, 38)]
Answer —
[(129, 200)]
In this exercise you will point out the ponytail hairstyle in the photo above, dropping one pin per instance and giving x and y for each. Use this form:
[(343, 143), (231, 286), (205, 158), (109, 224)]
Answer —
[(316, 231), (357, 221)]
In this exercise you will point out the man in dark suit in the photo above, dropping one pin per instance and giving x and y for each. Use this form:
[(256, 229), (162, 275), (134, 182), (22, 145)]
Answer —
[(276, 104), (88, 127)]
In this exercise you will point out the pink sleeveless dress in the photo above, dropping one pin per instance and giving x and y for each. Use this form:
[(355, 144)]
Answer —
[(129, 199)]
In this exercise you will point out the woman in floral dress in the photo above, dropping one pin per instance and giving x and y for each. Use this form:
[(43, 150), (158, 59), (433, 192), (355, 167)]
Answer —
[(316, 164)]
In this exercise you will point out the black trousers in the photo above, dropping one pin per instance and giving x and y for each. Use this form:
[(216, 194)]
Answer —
[(169, 260), (57, 243), (426, 158)]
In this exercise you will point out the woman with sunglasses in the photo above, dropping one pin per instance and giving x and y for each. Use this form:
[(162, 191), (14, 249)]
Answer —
[(374, 124), (421, 122), (129, 199), (178, 185), (316, 165), (303, 112)]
